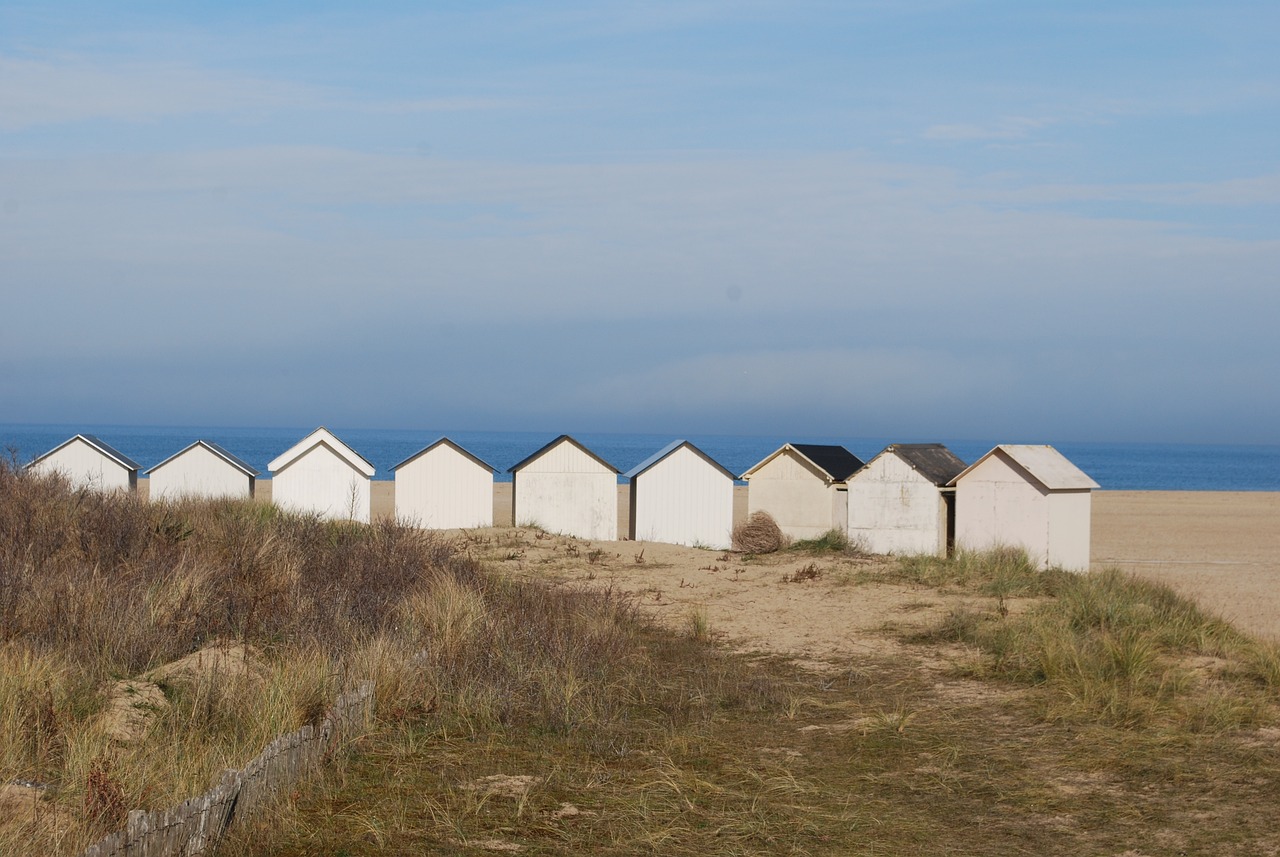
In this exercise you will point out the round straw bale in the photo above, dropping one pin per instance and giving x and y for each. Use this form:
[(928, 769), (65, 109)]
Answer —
[(759, 534)]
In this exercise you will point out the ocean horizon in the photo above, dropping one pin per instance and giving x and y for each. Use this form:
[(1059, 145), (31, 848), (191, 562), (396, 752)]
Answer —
[(1114, 466)]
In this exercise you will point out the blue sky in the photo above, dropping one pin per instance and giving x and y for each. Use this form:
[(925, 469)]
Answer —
[(1030, 221)]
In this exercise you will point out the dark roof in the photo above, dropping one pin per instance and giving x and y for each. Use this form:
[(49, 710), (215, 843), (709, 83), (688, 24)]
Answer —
[(513, 468), (933, 461), (238, 463), (106, 449), (667, 450), (838, 462), (477, 459)]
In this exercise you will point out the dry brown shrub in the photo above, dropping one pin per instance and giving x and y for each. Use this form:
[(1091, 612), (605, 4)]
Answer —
[(759, 534)]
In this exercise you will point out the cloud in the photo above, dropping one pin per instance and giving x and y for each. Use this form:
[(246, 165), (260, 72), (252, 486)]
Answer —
[(1011, 128)]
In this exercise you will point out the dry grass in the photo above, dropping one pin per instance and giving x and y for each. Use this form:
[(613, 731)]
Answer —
[(759, 534)]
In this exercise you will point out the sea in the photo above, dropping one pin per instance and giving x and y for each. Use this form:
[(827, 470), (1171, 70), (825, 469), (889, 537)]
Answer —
[(1114, 466)]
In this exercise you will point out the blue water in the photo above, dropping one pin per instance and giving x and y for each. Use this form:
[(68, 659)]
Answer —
[(1117, 466)]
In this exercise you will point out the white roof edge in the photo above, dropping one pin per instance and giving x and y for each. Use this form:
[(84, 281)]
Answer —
[(217, 450), (321, 436), (746, 474), (96, 443), (453, 443)]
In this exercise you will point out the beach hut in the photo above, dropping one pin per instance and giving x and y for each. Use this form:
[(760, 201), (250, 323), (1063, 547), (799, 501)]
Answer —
[(802, 485), (322, 475), (899, 502), (202, 469), (681, 496), (442, 487), (566, 488), (88, 462), (1026, 496)]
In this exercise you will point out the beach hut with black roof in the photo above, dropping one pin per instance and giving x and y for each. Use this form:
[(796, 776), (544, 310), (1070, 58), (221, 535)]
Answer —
[(566, 488), (900, 502), (1028, 496), (203, 469), (321, 475), (681, 496), (444, 487), (802, 486), (86, 461)]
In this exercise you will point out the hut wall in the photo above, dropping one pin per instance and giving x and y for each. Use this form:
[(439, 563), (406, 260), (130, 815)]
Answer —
[(999, 503), (198, 472), (893, 509), (84, 467), (683, 500), (795, 495), (564, 490), (320, 481), (443, 489), (1069, 529)]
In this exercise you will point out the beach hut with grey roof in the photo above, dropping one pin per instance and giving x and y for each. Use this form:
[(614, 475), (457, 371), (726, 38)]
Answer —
[(802, 486), (1027, 496), (203, 469), (443, 487), (681, 496), (321, 475), (566, 488), (900, 502), (86, 461)]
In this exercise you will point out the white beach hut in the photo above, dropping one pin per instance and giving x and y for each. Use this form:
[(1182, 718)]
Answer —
[(202, 469), (566, 488), (899, 502), (1027, 496), (802, 485), (681, 496), (442, 487), (87, 462), (322, 475)]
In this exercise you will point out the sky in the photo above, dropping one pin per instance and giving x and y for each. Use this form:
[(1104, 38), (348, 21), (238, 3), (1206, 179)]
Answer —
[(916, 219)]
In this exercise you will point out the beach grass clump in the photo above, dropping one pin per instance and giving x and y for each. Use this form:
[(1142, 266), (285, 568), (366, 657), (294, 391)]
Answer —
[(759, 534), (833, 541), (1001, 571)]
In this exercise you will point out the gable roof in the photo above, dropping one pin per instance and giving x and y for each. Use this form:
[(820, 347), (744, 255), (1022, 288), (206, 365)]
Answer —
[(101, 446), (668, 450), (933, 461), (237, 463), (321, 437), (561, 439), (451, 445), (1045, 464), (833, 460)]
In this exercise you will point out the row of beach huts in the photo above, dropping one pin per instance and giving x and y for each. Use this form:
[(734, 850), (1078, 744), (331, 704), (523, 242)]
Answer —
[(908, 499)]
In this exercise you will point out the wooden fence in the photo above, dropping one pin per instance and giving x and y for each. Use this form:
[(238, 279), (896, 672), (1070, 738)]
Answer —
[(197, 825)]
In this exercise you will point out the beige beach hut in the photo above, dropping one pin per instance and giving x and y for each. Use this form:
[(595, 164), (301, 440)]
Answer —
[(1027, 496), (322, 475), (681, 496), (203, 469), (899, 503), (86, 461), (566, 488), (802, 485), (443, 487)]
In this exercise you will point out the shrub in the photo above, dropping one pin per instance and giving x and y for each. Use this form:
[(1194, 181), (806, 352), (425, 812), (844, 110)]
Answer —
[(759, 534)]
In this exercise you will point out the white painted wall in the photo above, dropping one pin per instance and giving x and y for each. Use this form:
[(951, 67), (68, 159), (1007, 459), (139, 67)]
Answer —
[(199, 472), (443, 489), (1069, 520), (320, 481), (683, 500), (998, 503), (795, 494), (84, 467), (564, 490), (893, 509)]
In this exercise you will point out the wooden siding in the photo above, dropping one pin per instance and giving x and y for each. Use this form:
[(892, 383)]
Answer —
[(564, 490), (444, 489), (199, 472), (322, 482), (85, 467), (895, 510), (998, 503), (683, 500)]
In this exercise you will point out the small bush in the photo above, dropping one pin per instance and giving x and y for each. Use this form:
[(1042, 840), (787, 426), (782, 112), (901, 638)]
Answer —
[(759, 534)]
